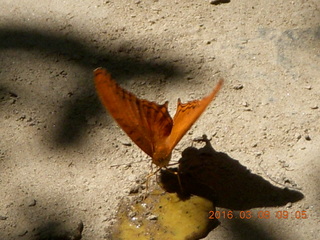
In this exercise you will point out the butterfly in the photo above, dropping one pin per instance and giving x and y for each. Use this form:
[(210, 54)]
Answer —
[(148, 124)]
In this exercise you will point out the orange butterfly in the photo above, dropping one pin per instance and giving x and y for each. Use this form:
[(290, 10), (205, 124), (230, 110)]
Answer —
[(149, 124)]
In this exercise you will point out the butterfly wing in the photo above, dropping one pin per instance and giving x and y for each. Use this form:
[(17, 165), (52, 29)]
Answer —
[(187, 114), (146, 123)]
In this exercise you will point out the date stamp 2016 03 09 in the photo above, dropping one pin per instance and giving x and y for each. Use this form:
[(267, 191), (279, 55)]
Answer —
[(258, 215)]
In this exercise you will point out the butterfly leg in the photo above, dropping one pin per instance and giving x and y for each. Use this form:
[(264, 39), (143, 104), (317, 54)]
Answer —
[(149, 176)]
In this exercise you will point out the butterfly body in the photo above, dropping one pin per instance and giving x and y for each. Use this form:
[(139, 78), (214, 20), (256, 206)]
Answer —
[(162, 155), (149, 124)]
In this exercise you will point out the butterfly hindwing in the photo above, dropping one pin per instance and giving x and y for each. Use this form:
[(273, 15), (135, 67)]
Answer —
[(146, 123), (187, 114)]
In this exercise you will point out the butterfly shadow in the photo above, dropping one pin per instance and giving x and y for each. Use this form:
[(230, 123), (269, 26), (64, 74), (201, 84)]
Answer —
[(224, 181)]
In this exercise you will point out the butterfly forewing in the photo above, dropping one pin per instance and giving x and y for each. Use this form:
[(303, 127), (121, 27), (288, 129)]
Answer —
[(146, 123), (187, 114)]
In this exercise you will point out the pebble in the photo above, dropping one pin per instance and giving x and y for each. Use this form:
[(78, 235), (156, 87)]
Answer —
[(152, 217), (258, 154), (132, 214), (245, 104), (3, 217), (307, 137), (134, 189), (92, 121), (238, 87), (124, 141), (32, 202), (298, 136), (22, 233), (12, 94)]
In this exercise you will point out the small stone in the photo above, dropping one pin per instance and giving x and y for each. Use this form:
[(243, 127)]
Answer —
[(315, 107), (245, 104), (298, 136), (22, 233), (124, 142), (132, 214), (289, 205), (92, 121), (152, 217), (307, 137), (32, 203), (3, 217), (14, 95), (238, 87), (306, 206), (21, 118), (134, 189), (63, 73), (258, 154)]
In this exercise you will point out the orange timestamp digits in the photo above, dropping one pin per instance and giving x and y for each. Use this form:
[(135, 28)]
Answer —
[(257, 215), (296, 214), (230, 215)]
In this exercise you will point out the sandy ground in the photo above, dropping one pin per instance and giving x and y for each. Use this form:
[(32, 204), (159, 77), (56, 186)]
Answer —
[(58, 145)]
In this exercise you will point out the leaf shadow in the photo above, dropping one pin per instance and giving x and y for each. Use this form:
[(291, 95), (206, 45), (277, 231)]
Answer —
[(72, 50), (57, 231)]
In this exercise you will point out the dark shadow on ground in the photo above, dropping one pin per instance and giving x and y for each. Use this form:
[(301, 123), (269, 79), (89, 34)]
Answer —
[(72, 50), (47, 221), (228, 184), (250, 229), (57, 231), (223, 180)]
